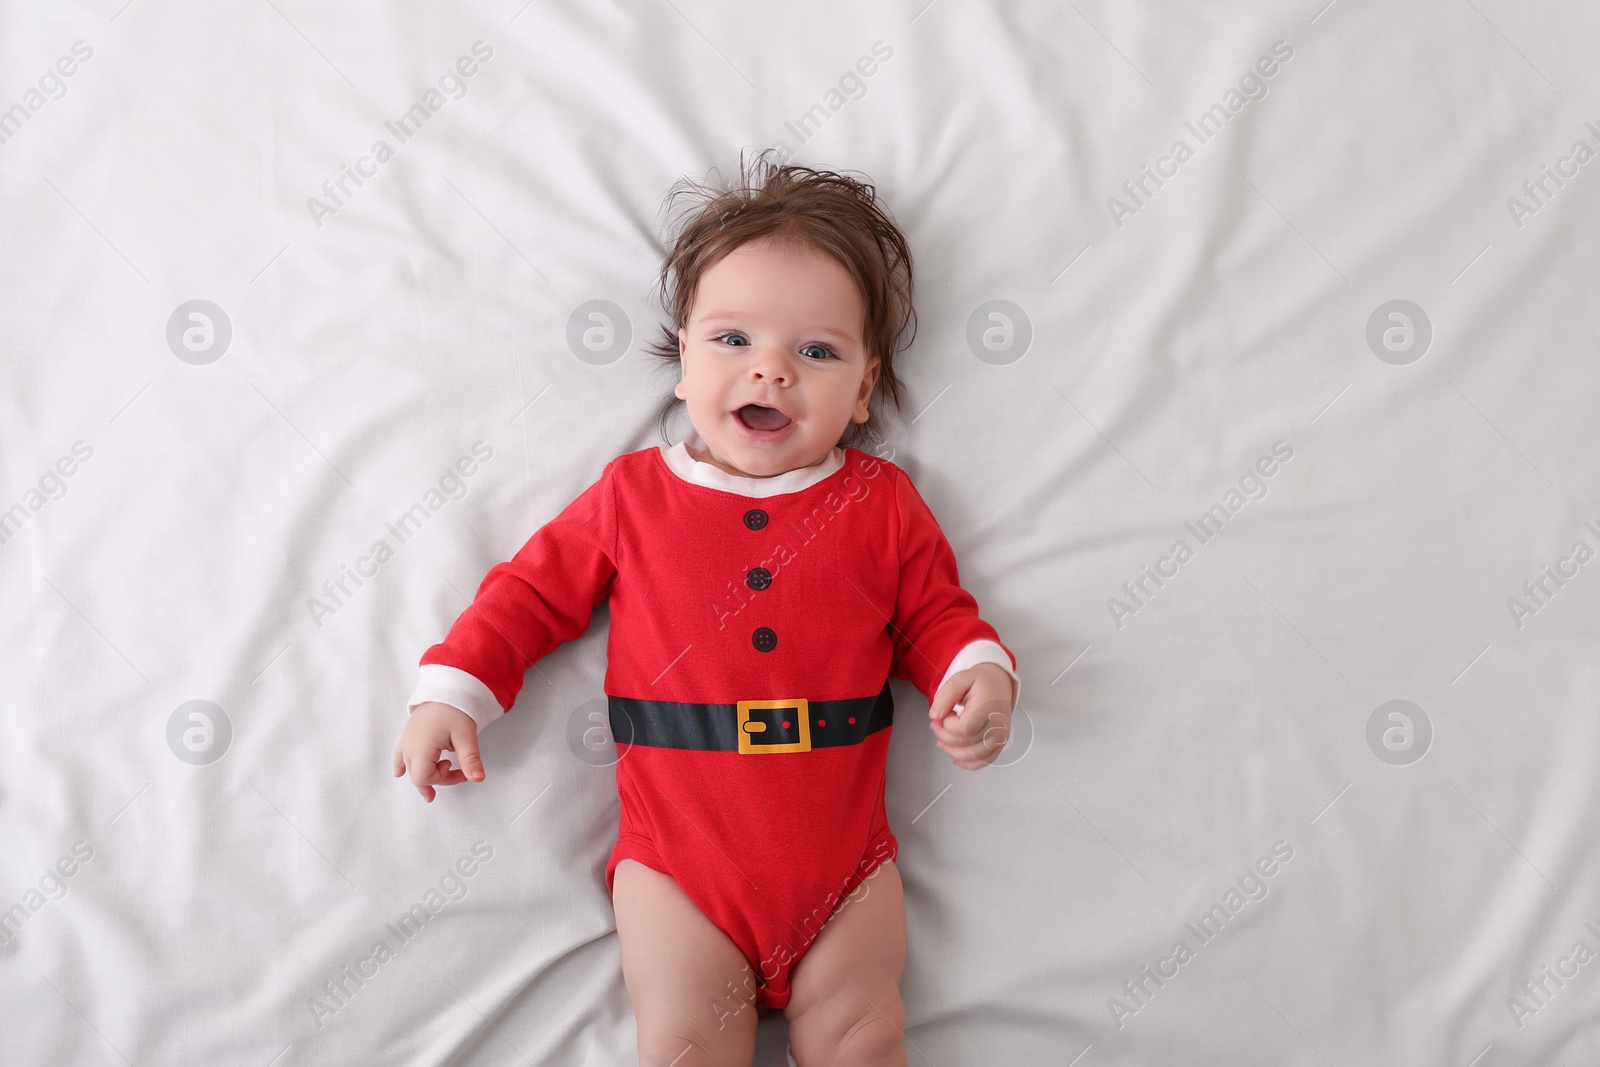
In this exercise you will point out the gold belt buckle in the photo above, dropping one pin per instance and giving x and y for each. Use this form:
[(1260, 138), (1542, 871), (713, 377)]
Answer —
[(746, 727)]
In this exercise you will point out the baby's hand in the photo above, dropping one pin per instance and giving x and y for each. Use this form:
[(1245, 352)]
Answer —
[(973, 737), (433, 728)]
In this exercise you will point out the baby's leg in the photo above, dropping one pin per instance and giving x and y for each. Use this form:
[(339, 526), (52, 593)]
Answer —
[(844, 1008), (693, 993)]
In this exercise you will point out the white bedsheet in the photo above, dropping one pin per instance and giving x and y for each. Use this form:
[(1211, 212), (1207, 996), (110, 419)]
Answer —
[(1403, 499)]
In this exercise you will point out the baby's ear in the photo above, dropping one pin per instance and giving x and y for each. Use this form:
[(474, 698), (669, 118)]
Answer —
[(869, 380)]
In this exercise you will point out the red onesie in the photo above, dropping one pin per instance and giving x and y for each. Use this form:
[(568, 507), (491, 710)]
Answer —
[(748, 663)]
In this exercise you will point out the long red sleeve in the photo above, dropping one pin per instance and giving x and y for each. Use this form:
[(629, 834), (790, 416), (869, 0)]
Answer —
[(542, 596), (934, 618)]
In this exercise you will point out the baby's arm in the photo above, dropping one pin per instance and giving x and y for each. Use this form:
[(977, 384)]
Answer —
[(941, 645), (524, 608)]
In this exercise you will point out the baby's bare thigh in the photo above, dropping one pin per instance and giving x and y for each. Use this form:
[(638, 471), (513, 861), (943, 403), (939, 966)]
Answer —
[(864, 943), (850, 976), (693, 993)]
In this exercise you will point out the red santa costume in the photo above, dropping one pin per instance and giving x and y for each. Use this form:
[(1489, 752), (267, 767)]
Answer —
[(755, 623)]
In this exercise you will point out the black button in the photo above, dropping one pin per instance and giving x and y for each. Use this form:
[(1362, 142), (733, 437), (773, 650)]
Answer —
[(755, 518), (764, 639), (758, 578)]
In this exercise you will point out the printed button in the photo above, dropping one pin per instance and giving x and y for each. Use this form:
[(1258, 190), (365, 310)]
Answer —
[(764, 639), (755, 518), (758, 578)]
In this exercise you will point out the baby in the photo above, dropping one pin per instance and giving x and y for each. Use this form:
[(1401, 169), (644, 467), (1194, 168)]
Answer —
[(766, 579)]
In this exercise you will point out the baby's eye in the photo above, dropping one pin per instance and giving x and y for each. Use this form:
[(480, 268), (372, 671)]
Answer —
[(725, 336), (824, 349)]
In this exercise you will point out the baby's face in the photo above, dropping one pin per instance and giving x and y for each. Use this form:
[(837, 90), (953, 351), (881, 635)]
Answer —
[(778, 327)]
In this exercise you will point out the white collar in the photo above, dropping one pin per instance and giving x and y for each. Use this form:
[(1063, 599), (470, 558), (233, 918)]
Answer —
[(699, 472)]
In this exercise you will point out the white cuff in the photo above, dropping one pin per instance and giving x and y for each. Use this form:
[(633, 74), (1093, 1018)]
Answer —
[(984, 651), (453, 686)]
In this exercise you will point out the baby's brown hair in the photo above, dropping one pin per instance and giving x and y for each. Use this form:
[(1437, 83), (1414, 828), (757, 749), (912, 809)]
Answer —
[(820, 209)]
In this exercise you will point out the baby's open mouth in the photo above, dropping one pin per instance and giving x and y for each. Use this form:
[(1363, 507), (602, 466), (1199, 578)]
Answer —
[(758, 417)]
